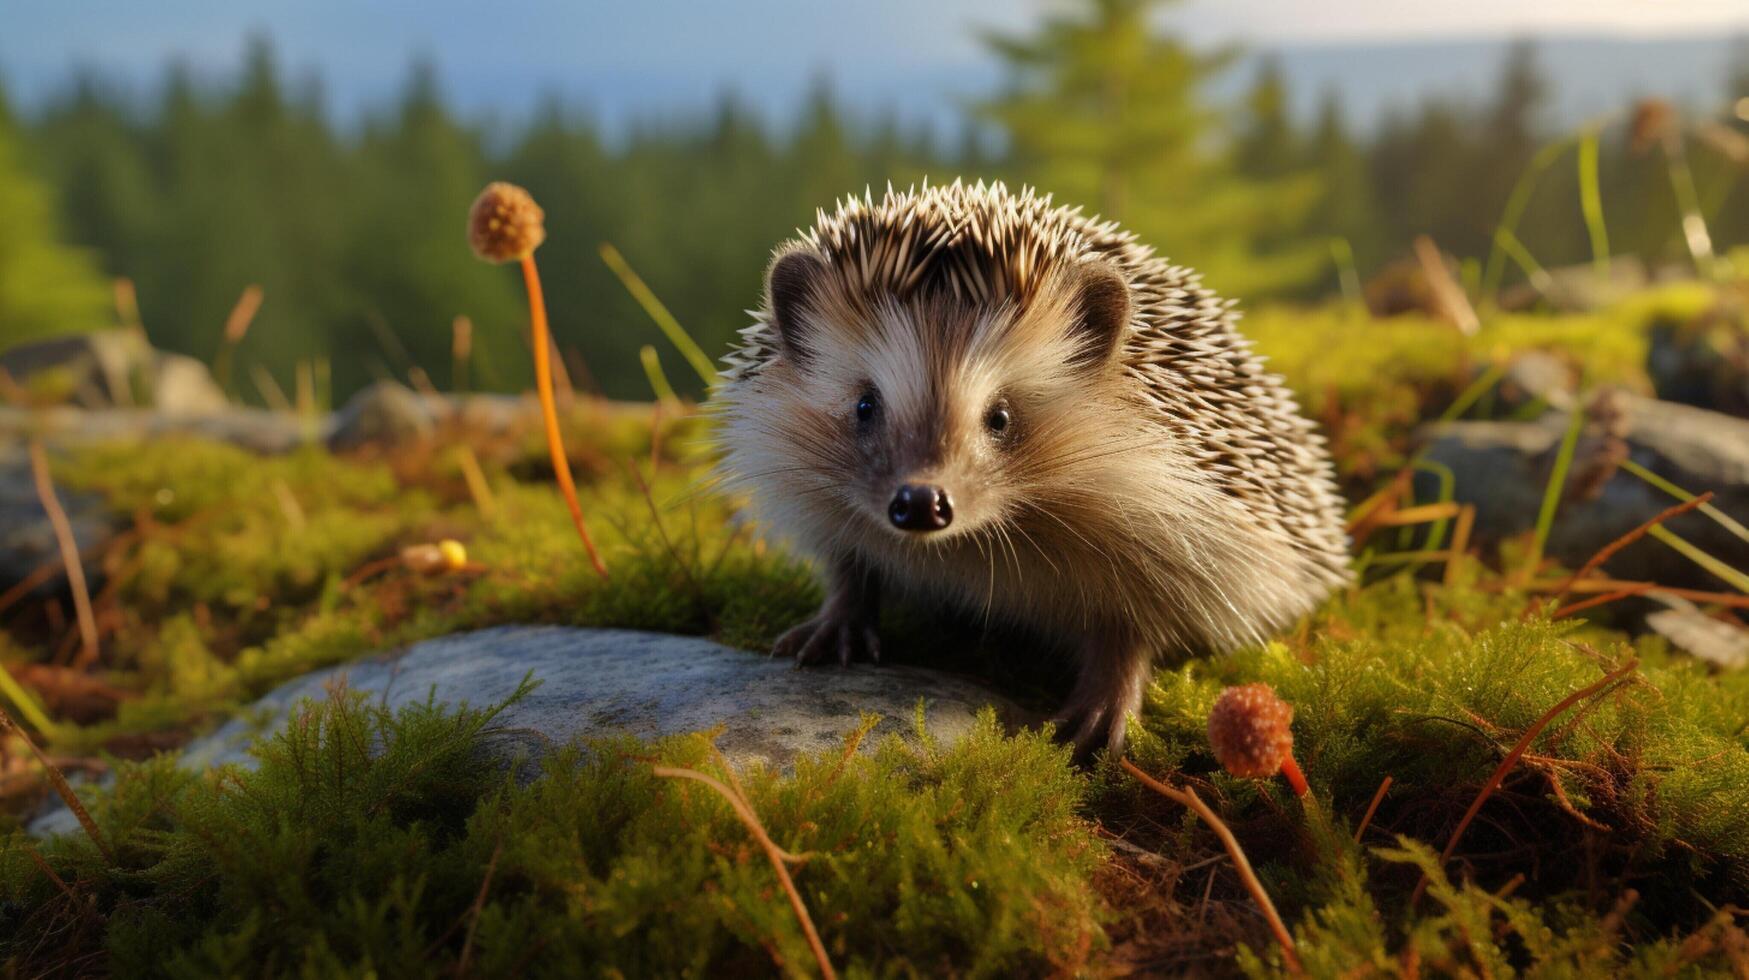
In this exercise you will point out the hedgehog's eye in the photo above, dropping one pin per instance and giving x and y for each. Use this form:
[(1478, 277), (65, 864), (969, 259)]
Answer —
[(998, 418), (866, 406)]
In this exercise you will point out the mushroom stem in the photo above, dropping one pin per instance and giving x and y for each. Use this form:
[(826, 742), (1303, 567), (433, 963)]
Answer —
[(543, 380), (1295, 779)]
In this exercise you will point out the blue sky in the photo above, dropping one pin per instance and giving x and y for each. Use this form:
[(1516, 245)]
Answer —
[(638, 58)]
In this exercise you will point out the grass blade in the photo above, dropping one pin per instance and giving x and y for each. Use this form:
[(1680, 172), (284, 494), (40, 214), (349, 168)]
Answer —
[(671, 327), (658, 378), (1474, 392), (1512, 246), (1545, 518), (26, 704), (1724, 520), (1516, 202), (1342, 253), (1609, 550), (1735, 578), (1447, 488), (1591, 202)]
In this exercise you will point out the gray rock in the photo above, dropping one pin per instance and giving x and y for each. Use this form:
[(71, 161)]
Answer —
[(1504, 467), (491, 416), (182, 386), (248, 428), (384, 414), (115, 369), (1532, 381), (1703, 361), (101, 369), (1536, 376), (597, 682), (27, 540), (646, 684), (1578, 288)]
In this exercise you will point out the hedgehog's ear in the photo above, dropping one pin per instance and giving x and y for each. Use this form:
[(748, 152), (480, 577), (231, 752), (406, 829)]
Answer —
[(1101, 311), (790, 286)]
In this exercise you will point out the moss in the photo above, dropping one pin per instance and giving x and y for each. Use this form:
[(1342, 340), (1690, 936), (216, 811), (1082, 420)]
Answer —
[(362, 843), (1326, 350), (977, 859), (241, 572), (244, 541), (1389, 681), (1371, 381), (1430, 685), (1465, 930)]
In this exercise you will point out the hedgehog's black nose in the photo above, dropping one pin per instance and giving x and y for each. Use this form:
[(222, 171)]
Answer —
[(920, 508)]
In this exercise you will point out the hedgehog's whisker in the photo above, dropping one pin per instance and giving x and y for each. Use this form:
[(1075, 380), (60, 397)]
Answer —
[(1063, 461), (1110, 560), (1013, 554), (1021, 530)]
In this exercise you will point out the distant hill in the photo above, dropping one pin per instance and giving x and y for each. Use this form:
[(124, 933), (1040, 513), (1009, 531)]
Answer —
[(1589, 75)]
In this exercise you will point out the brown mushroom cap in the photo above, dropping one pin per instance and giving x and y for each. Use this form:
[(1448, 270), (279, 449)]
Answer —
[(1249, 731), (505, 225)]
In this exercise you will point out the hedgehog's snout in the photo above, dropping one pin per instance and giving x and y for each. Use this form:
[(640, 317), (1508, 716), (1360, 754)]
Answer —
[(920, 507)]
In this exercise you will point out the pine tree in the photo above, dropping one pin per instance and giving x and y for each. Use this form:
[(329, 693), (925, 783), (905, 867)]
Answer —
[(563, 163), (1511, 123), (824, 159), (1267, 152), (1105, 112), (101, 175), (411, 272), (46, 287), (1347, 208), (1505, 143), (1266, 145), (1730, 217), (1421, 168)]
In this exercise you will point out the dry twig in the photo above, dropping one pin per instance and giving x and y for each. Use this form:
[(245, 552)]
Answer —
[(1512, 758), (1372, 808), (1453, 304), (1609, 550), (1188, 798), (45, 491), (36, 858), (461, 966), (1604, 599), (63, 789), (777, 855), (1594, 586)]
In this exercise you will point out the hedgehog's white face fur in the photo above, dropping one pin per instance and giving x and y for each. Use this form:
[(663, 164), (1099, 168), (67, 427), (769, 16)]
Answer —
[(1002, 403), (971, 401)]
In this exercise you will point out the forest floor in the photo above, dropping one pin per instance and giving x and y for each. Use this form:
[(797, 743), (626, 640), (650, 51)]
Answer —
[(1615, 842)]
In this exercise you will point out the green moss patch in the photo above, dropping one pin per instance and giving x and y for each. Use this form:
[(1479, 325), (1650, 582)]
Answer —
[(1644, 788), (370, 841)]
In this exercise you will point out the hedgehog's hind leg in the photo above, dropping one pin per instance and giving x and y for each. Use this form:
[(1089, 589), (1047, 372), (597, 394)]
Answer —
[(845, 624), (1113, 674)]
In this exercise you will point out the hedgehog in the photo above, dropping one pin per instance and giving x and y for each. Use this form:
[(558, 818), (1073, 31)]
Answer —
[(977, 397)]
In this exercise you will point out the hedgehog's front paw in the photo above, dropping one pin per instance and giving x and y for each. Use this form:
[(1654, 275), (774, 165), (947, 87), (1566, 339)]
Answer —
[(1108, 692), (1091, 724), (830, 635)]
